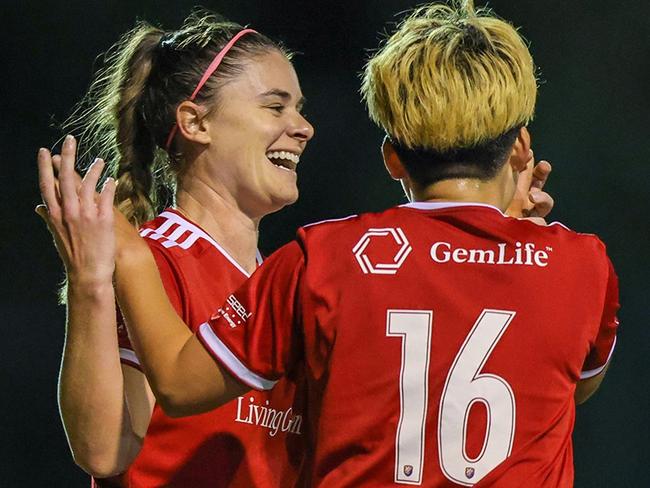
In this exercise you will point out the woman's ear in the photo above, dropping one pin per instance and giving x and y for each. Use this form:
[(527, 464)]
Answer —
[(192, 122), (521, 152), (392, 162)]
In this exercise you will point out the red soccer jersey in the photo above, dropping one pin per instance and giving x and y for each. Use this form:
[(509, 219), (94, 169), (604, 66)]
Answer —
[(253, 441), (442, 343)]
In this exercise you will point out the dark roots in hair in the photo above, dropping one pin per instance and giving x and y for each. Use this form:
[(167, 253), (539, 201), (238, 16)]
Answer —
[(481, 161)]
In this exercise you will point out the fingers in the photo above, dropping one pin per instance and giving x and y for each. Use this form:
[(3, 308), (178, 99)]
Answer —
[(56, 162), (540, 174), (89, 183), (525, 178), (106, 198), (46, 181), (67, 186), (543, 202), (41, 211)]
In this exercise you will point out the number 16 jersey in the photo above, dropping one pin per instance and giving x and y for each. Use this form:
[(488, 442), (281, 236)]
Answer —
[(442, 343)]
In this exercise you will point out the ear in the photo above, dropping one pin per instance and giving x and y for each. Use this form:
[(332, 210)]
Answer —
[(521, 152), (192, 122), (391, 160)]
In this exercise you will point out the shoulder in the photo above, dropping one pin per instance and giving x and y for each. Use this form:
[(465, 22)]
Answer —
[(173, 236), (584, 240), (351, 223), (170, 230)]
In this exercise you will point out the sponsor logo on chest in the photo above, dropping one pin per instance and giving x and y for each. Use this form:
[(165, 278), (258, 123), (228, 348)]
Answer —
[(524, 254), (268, 417)]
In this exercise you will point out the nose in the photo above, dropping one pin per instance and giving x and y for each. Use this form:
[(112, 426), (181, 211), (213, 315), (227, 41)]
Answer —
[(301, 129)]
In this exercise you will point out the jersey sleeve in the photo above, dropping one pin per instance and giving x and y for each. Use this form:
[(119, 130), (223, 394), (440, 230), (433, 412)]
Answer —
[(171, 282), (603, 346), (253, 334)]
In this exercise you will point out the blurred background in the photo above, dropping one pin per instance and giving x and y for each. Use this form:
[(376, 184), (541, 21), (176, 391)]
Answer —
[(592, 124)]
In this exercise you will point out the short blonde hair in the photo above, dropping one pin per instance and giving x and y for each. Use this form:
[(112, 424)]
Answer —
[(450, 77)]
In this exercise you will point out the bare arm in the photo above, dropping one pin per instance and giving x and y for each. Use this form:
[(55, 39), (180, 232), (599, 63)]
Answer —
[(587, 387), (101, 434), (91, 386), (183, 376)]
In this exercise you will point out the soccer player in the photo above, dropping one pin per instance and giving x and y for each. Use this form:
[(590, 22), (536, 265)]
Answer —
[(217, 109), (352, 365)]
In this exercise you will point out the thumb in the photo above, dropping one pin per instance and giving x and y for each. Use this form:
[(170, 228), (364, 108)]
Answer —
[(41, 211)]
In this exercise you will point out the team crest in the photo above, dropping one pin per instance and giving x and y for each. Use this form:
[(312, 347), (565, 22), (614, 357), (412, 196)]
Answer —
[(469, 472), (408, 469)]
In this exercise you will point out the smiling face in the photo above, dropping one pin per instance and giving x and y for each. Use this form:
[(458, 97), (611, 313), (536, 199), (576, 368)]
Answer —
[(257, 135)]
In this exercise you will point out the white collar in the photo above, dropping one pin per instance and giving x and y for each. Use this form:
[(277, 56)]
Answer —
[(442, 205)]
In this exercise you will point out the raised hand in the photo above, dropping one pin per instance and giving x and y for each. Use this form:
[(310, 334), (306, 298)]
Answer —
[(530, 201), (80, 221)]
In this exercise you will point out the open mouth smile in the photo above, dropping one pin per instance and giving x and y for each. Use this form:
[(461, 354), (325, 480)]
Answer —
[(284, 159)]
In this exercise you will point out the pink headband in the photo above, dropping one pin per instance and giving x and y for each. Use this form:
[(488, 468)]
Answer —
[(208, 72)]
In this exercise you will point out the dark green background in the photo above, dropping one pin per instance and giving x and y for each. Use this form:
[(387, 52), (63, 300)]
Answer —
[(592, 124)]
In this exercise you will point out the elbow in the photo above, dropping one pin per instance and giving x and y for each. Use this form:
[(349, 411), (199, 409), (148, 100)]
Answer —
[(581, 397), (588, 386), (107, 461), (99, 466), (174, 409), (183, 402), (177, 404)]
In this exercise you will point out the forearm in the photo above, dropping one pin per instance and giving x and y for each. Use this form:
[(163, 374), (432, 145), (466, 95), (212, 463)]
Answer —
[(91, 398), (182, 375), (587, 387)]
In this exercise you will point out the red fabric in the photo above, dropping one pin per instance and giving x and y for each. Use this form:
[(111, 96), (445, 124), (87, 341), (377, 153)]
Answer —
[(553, 298), (211, 449)]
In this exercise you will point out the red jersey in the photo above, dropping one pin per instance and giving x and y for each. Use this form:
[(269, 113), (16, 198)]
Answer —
[(253, 441), (442, 343)]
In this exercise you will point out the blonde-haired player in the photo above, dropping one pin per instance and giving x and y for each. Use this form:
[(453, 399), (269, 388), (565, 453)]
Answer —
[(444, 343)]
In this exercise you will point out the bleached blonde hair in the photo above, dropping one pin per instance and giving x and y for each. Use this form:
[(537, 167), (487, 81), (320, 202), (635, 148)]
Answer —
[(450, 77)]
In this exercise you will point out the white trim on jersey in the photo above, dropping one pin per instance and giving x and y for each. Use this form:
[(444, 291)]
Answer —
[(330, 220), (129, 355), (184, 226), (231, 362), (593, 372), (555, 222), (442, 205)]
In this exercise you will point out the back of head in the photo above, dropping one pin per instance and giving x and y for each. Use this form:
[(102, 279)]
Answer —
[(451, 85), (130, 109)]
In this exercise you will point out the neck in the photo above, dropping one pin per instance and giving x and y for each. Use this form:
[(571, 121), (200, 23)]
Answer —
[(497, 191), (221, 218)]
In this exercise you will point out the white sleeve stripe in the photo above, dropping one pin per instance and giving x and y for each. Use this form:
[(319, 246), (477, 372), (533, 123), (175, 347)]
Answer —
[(129, 355), (230, 361), (593, 372)]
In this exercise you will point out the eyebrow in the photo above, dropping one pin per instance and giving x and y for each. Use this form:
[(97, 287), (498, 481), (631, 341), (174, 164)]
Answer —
[(285, 96)]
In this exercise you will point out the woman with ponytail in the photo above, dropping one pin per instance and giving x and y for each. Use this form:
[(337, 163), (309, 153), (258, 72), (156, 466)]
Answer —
[(208, 115)]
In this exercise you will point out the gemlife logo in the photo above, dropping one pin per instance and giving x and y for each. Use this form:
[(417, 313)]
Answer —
[(390, 267)]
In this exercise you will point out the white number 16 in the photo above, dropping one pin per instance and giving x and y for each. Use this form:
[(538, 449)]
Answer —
[(465, 386)]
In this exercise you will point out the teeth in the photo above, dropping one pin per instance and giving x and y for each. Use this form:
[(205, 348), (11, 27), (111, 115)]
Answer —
[(283, 155)]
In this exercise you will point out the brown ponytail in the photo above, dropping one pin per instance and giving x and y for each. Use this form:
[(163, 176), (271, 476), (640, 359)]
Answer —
[(113, 125)]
